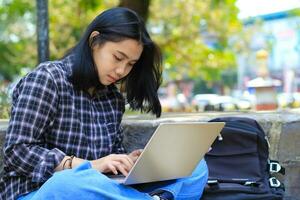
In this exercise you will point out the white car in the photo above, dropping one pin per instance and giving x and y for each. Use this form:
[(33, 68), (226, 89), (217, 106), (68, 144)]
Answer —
[(205, 102)]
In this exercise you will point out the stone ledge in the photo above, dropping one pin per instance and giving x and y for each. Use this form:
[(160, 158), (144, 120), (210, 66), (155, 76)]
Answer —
[(282, 129)]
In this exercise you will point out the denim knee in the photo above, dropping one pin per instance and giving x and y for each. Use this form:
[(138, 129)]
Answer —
[(201, 170), (63, 181)]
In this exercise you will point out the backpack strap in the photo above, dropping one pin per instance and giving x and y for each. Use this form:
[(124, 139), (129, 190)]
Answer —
[(215, 182)]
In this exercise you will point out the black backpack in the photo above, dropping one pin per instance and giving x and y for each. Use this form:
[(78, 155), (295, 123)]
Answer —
[(239, 165)]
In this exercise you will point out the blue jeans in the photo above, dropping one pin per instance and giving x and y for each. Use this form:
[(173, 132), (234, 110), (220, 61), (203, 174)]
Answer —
[(87, 183)]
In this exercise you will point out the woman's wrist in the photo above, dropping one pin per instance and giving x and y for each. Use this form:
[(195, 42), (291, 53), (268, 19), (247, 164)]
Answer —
[(69, 162), (76, 161)]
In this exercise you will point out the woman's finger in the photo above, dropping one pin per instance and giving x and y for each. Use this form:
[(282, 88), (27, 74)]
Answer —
[(136, 152), (121, 168), (129, 160), (124, 159), (112, 168)]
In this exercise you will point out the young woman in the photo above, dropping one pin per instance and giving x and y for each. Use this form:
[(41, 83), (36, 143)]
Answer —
[(64, 132)]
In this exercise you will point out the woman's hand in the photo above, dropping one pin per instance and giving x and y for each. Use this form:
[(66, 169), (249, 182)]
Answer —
[(135, 154), (114, 163)]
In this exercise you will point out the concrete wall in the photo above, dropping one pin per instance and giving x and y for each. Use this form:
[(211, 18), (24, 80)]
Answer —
[(282, 129), (3, 127)]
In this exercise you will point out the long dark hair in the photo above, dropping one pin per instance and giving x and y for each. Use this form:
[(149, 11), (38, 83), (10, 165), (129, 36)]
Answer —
[(143, 81)]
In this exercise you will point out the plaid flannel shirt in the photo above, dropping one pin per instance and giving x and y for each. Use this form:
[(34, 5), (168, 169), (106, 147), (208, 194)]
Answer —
[(51, 119)]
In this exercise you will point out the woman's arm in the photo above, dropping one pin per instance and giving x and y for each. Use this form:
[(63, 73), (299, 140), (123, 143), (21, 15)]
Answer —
[(35, 101), (113, 163)]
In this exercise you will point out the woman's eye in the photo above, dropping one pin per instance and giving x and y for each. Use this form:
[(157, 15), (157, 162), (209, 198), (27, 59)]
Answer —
[(118, 58)]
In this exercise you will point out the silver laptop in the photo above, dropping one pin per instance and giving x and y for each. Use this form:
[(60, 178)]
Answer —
[(173, 151)]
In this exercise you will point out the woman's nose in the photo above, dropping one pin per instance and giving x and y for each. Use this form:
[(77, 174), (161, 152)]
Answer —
[(120, 70)]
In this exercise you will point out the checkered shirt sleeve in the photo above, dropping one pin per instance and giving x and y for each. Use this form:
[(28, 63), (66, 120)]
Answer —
[(32, 113)]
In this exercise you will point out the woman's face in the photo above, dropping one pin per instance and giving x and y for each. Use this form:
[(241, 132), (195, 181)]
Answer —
[(114, 60)]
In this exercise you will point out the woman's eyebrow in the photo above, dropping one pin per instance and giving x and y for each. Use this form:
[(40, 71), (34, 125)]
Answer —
[(124, 54)]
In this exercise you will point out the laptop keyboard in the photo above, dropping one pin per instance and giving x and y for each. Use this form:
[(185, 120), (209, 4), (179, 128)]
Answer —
[(119, 177), (115, 176)]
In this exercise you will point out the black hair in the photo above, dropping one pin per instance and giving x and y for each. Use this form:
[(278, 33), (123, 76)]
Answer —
[(143, 81)]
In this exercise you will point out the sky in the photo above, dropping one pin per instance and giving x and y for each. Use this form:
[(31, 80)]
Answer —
[(260, 7)]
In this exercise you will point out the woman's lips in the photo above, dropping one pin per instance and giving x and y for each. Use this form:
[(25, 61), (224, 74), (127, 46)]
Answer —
[(112, 79)]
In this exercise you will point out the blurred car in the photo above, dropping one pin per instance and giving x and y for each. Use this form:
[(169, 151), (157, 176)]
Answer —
[(244, 104), (169, 104), (226, 103), (285, 100), (296, 103), (288, 100), (204, 102), (176, 103)]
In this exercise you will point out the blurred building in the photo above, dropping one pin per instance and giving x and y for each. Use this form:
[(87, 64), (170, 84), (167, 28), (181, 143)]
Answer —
[(279, 34)]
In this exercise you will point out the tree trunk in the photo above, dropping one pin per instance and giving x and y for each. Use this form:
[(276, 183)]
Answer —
[(139, 6), (42, 30)]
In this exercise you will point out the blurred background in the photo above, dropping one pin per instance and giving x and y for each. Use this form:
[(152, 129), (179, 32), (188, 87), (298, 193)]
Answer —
[(219, 55)]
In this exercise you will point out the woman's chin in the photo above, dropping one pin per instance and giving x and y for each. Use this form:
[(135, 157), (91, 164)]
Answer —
[(106, 83)]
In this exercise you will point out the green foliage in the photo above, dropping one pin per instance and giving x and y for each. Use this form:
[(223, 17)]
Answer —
[(229, 78), (295, 12), (202, 87), (183, 29), (68, 19), (4, 103), (17, 37)]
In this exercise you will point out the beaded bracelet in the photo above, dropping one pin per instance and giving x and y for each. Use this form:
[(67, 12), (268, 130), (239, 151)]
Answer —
[(70, 163)]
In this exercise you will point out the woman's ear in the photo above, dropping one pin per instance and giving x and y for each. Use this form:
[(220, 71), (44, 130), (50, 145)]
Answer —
[(93, 34)]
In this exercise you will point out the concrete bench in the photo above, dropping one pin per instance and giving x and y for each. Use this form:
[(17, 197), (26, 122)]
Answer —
[(282, 128)]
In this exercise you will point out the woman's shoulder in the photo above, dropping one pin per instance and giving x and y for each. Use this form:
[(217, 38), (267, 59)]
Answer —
[(39, 79), (56, 69), (50, 72)]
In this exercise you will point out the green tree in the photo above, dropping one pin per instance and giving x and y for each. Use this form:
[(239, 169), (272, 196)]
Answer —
[(17, 37), (141, 7), (181, 28), (68, 20), (194, 36), (18, 42)]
